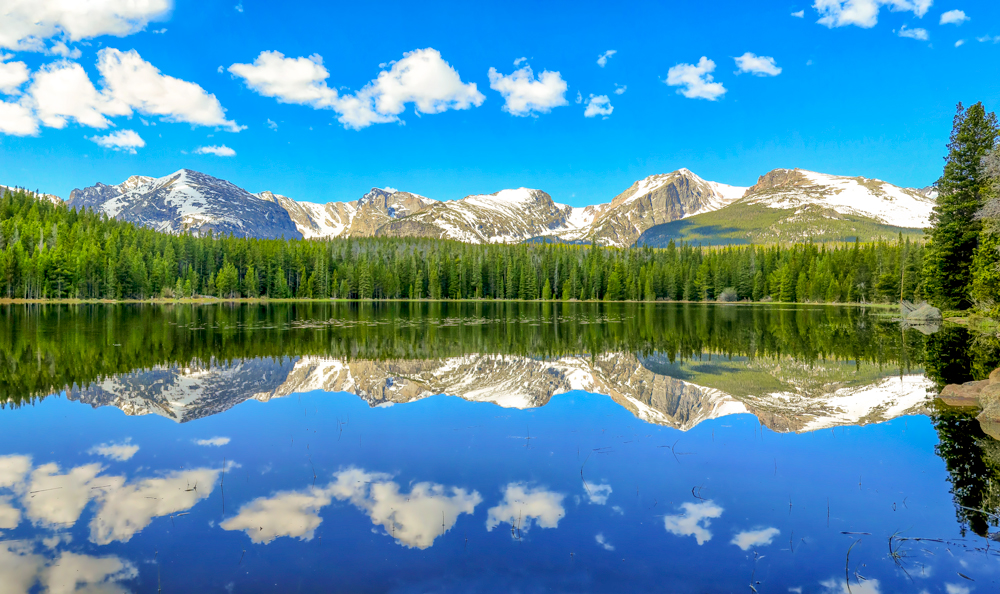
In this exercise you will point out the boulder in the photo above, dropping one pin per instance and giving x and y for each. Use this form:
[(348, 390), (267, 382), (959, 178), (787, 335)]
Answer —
[(989, 419), (925, 313), (966, 394), (995, 376), (989, 395)]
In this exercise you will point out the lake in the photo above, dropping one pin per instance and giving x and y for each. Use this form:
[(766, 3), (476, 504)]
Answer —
[(490, 447)]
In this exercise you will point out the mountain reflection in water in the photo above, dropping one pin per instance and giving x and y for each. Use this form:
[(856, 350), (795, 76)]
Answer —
[(489, 447), (796, 368), (791, 396)]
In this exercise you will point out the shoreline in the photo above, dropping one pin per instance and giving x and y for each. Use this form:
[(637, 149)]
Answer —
[(265, 300)]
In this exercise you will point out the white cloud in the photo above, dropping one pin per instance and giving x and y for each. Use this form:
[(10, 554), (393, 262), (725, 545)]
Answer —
[(956, 589), (960, 43), (61, 49), (598, 105), (288, 513), (620, 90), (953, 17), (272, 124), (602, 60), (864, 13), (526, 95), (988, 39), (62, 91), (696, 80), (518, 61), (917, 33), (755, 538), (124, 139), (12, 470), (52, 498), (800, 14), (694, 521), (21, 568), (26, 23), (72, 572), (126, 510), (421, 77), (238, 7), (757, 65), (390, 189), (840, 586), (597, 494), (524, 504), (10, 516), (17, 120), (219, 151), (579, 97), (12, 75), (603, 542), (290, 80), (414, 519), (134, 82), (212, 441)]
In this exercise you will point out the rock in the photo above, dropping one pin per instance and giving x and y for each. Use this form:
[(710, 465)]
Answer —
[(995, 376), (925, 313), (989, 420), (966, 394)]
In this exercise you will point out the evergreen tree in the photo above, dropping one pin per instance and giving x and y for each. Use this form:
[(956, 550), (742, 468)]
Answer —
[(963, 189), (250, 283)]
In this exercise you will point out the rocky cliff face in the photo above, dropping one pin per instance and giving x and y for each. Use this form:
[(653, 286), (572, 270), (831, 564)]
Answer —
[(655, 200), (188, 202), (362, 218), (508, 216)]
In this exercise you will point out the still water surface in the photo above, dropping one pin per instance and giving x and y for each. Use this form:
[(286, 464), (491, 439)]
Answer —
[(489, 447)]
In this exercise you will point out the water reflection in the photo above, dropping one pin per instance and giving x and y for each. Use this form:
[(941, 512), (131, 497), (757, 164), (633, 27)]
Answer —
[(410, 518), (784, 394), (54, 499), (694, 520), (22, 566), (523, 505), (474, 447)]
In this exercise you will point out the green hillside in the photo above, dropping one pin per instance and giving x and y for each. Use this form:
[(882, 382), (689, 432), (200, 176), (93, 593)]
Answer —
[(743, 223)]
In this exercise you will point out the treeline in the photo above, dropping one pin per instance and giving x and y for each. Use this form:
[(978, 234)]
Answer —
[(52, 252)]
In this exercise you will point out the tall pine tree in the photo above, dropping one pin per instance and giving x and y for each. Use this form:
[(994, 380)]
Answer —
[(962, 192)]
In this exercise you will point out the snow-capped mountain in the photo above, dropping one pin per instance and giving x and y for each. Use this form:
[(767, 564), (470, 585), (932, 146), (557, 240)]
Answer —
[(507, 216), (869, 198), (811, 397), (658, 199), (513, 216), (349, 219), (647, 212), (188, 201), (788, 205)]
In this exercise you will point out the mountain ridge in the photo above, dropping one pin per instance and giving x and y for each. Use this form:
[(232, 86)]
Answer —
[(818, 206)]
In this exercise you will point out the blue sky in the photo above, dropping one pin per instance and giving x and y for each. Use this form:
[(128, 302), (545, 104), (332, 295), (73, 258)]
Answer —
[(866, 87)]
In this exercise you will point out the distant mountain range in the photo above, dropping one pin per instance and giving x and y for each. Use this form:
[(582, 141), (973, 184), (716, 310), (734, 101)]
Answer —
[(784, 205)]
